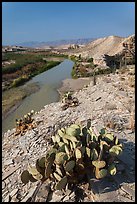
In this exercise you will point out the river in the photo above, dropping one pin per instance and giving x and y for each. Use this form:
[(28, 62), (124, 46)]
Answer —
[(49, 81)]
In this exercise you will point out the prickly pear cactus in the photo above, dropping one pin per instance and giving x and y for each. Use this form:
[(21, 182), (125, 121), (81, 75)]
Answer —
[(69, 101), (24, 123), (73, 150)]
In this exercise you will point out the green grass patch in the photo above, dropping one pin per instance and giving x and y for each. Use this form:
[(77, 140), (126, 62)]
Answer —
[(33, 71), (19, 81), (74, 74), (20, 61)]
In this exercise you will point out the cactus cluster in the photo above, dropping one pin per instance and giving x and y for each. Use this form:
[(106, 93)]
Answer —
[(25, 123), (69, 101), (74, 150)]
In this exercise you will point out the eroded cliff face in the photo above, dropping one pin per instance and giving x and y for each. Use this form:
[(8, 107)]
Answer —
[(112, 46), (124, 57)]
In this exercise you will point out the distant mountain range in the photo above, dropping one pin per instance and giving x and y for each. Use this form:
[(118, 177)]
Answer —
[(55, 43)]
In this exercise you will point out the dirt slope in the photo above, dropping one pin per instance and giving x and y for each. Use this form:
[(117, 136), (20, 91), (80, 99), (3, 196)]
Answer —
[(111, 45)]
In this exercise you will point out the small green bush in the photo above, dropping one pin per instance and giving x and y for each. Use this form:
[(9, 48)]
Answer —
[(19, 81), (73, 73)]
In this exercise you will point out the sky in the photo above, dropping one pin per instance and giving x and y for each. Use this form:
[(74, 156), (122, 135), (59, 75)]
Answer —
[(49, 21)]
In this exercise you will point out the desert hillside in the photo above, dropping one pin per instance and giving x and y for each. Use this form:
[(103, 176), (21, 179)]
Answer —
[(112, 45)]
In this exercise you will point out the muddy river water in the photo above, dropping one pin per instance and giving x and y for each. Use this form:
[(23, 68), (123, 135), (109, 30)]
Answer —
[(48, 81)]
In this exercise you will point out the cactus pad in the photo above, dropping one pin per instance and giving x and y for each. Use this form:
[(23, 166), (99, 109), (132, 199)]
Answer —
[(116, 140), (48, 170), (73, 131), (94, 154), (112, 169), (57, 137), (102, 131), (25, 176), (115, 150), (41, 162), (99, 164), (61, 133), (62, 183), (58, 170), (61, 157), (78, 153), (88, 151), (57, 176), (70, 165), (101, 174), (71, 138), (35, 173), (109, 137), (67, 149)]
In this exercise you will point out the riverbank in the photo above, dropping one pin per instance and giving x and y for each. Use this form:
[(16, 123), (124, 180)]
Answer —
[(12, 98), (109, 104), (26, 65), (74, 84), (48, 83)]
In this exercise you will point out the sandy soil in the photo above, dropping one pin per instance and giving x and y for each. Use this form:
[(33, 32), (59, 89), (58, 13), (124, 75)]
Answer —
[(74, 84)]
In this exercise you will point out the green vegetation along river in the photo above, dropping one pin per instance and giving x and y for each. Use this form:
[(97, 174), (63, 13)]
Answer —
[(48, 81)]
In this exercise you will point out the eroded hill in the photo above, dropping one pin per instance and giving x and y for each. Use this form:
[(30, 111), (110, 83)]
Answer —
[(111, 46)]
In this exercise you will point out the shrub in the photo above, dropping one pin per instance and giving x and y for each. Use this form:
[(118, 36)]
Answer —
[(11, 68), (51, 64), (27, 122), (20, 61), (19, 81), (73, 73), (69, 101)]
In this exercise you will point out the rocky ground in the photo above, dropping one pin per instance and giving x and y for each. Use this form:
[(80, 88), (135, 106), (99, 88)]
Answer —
[(110, 103)]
